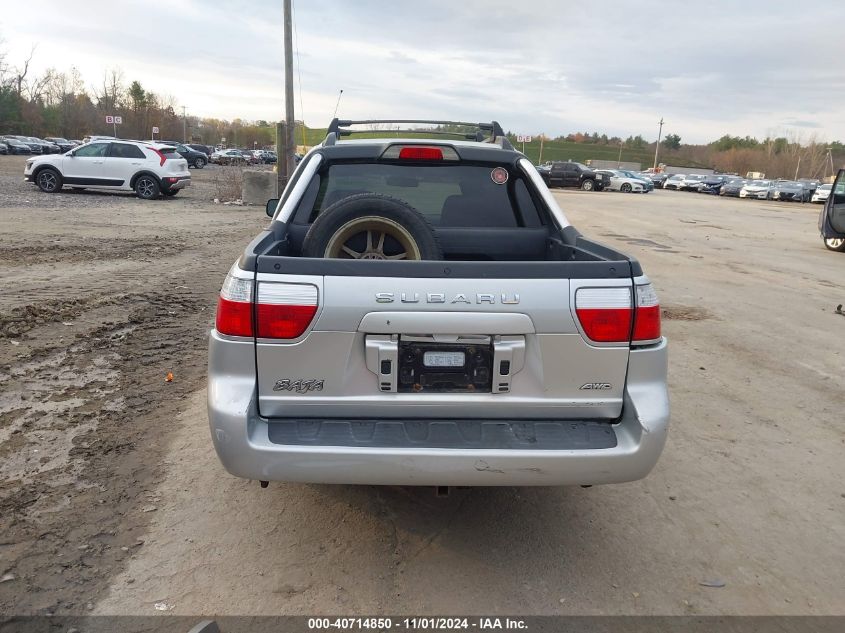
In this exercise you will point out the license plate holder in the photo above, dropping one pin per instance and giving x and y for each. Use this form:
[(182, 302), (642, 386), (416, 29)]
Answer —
[(443, 373)]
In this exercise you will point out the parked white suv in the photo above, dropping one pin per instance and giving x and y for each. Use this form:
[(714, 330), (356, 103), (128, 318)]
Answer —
[(148, 169)]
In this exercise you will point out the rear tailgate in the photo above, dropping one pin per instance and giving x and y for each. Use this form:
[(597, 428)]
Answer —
[(174, 163), (354, 357)]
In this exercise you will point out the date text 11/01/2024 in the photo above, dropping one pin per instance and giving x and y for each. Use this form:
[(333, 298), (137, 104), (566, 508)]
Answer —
[(417, 624)]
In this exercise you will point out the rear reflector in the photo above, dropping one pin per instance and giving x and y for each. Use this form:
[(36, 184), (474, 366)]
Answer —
[(234, 308), (285, 310), (647, 317), (605, 313)]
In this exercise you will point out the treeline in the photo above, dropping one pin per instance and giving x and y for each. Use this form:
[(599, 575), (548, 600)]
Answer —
[(57, 103), (672, 141), (777, 157)]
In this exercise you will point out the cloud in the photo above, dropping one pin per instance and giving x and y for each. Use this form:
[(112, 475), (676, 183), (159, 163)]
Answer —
[(802, 123), (537, 66)]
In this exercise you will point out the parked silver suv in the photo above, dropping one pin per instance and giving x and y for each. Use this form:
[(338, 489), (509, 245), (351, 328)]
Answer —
[(421, 312)]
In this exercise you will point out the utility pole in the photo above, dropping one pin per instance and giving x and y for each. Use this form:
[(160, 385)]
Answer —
[(657, 147), (619, 160), (290, 148), (184, 125)]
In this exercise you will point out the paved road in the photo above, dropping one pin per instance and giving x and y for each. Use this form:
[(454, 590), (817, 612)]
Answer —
[(750, 491)]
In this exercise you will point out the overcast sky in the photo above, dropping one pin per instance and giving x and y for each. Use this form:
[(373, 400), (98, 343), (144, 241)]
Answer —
[(755, 67)]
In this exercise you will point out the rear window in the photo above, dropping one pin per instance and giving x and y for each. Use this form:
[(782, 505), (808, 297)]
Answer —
[(448, 196)]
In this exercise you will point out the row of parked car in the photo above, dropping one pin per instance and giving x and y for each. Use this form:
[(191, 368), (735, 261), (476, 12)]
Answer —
[(804, 190), (197, 154), (243, 157), (573, 174), (16, 144)]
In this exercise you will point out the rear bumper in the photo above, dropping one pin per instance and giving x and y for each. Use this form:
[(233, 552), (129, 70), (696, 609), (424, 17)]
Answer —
[(180, 183), (243, 442)]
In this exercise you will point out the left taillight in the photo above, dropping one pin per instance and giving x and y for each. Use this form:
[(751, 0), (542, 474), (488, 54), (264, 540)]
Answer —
[(284, 311), (234, 307)]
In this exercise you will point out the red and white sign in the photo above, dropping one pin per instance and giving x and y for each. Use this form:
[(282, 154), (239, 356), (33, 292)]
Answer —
[(109, 119), (119, 120), (523, 139)]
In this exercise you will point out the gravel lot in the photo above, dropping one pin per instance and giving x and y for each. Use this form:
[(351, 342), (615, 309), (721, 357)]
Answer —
[(111, 497)]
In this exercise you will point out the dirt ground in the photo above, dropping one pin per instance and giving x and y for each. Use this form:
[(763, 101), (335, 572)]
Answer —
[(112, 500)]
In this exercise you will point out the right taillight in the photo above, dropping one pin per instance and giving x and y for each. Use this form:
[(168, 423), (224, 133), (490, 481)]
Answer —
[(607, 315), (646, 316), (604, 313)]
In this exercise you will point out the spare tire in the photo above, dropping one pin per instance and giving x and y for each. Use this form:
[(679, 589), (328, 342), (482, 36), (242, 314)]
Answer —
[(371, 226)]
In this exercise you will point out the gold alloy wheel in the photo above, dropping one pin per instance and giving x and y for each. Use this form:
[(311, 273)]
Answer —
[(377, 229)]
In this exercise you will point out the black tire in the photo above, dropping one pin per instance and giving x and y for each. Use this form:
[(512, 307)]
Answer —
[(346, 230), (625, 188), (147, 187), (588, 184), (199, 163), (835, 244), (49, 180)]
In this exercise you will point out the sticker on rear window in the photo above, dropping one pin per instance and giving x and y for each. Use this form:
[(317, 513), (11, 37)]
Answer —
[(499, 175)]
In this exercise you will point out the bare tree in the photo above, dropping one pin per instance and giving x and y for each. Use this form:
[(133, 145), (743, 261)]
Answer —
[(20, 73), (110, 96)]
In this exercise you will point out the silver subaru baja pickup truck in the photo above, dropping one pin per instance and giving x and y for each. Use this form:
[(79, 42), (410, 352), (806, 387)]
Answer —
[(421, 312)]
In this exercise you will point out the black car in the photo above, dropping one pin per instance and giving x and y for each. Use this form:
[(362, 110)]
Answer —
[(64, 144), (572, 174), (267, 157), (790, 191), (46, 147), (733, 187), (17, 147), (658, 178), (34, 148), (713, 184), (195, 159), (205, 149), (4, 149)]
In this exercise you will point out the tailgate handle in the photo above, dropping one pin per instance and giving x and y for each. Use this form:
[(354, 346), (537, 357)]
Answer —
[(431, 322), (508, 359), (383, 360)]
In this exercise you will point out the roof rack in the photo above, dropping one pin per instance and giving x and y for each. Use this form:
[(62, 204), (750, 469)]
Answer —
[(340, 127)]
